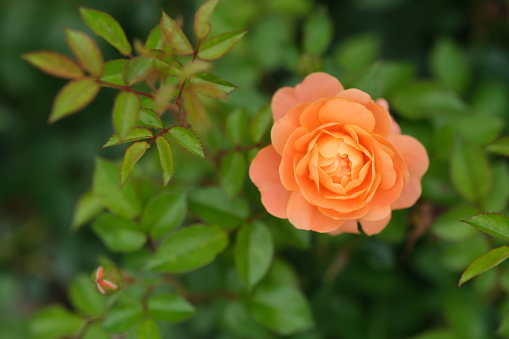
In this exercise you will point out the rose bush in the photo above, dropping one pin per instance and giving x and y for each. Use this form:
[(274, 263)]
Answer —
[(337, 158)]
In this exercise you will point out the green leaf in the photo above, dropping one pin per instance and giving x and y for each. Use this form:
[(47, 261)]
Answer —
[(148, 329), (211, 85), (281, 308), (119, 234), (134, 135), (478, 129), (358, 52), (484, 263), (448, 226), (233, 172), (166, 158), (237, 124), (85, 298), (261, 122), (74, 96), (95, 331), (125, 113), (494, 224), (187, 139), (500, 146), (55, 322), (86, 51), (254, 250), (217, 46), (121, 318), (372, 80), (396, 75), (169, 307), (113, 72), (449, 64), (132, 155), (201, 20), (137, 69), (106, 186), (471, 172), (55, 64), (174, 35), (107, 28), (148, 118), (241, 324), (498, 199), (188, 249), (317, 34), (163, 214), (155, 39), (88, 207)]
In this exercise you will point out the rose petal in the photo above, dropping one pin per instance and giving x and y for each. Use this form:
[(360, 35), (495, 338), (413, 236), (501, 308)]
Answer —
[(264, 173), (371, 227), (313, 87), (350, 226), (285, 126), (346, 112)]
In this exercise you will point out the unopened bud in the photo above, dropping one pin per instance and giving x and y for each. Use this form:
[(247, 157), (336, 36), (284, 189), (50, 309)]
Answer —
[(108, 279)]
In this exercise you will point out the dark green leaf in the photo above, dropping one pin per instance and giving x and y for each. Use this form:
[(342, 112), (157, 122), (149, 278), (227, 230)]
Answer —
[(372, 80), (238, 320), (260, 123), (95, 331), (201, 20), (132, 155), (86, 51), (217, 46), (358, 52), (107, 28), (169, 307), (237, 124), (494, 224), (148, 118), (113, 72), (55, 322), (253, 253), (137, 69), (125, 113), (498, 199), (233, 172), (484, 263), (211, 85), (119, 234), (500, 146), (148, 329), (85, 297), (134, 135), (449, 64), (55, 64), (187, 139), (88, 207), (121, 318), (188, 249), (73, 97), (471, 173), (448, 226), (175, 36), (318, 30), (478, 129), (106, 185), (166, 158), (163, 214), (396, 75)]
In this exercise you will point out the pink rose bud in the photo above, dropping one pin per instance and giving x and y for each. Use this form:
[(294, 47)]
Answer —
[(107, 279)]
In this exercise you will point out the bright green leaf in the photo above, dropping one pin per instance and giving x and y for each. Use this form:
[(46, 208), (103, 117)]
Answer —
[(95, 331), (211, 85), (106, 186), (148, 329), (449, 65), (134, 135), (169, 307), (55, 322), (166, 158), (478, 129), (187, 139), (113, 72), (86, 51), (73, 97), (471, 173), (233, 172), (163, 214), (121, 318), (253, 253), (217, 46), (188, 249), (88, 207), (237, 124), (500, 146), (125, 113), (132, 155), (55, 64), (174, 35), (318, 30), (260, 123), (201, 20), (155, 39), (149, 119), (137, 69), (85, 297), (119, 234), (358, 52), (494, 224), (484, 263), (107, 28)]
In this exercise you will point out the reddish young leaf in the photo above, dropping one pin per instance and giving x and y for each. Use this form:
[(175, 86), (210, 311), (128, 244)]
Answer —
[(86, 51), (55, 64), (219, 45), (72, 97), (175, 36), (201, 20)]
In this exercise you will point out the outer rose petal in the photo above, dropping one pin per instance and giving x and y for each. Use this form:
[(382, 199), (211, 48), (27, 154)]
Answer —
[(313, 87), (350, 226), (264, 173), (376, 226), (395, 127)]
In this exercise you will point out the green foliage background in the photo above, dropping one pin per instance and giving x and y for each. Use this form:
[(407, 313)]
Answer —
[(442, 65)]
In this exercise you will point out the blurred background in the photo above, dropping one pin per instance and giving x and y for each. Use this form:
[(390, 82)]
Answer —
[(44, 168)]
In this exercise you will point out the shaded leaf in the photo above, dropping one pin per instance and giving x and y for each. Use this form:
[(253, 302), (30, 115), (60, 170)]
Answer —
[(211, 85), (137, 69), (148, 329), (449, 64), (188, 140), (55, 322), (107, 28), (121, 318), (174, 35), (261, 122), (155, 39), (484, 263), (163, 214), (134, 135), (237, 124), (169, 307), (73, 97), (119, 234), (113, 72), (86, 51), (163, 96), (85, 298), (148, 118), (494, 224), (201, 20), (318, 30), (87, 208), (166, 158), (95, 331), (188, 249), (126, 111), (217, 46), (448, 226), (233, 172), (55, 64), (358, 52), (132, 154), (500, 146)]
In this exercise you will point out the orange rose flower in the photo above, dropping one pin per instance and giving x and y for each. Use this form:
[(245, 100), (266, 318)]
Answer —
[(337, 158)]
